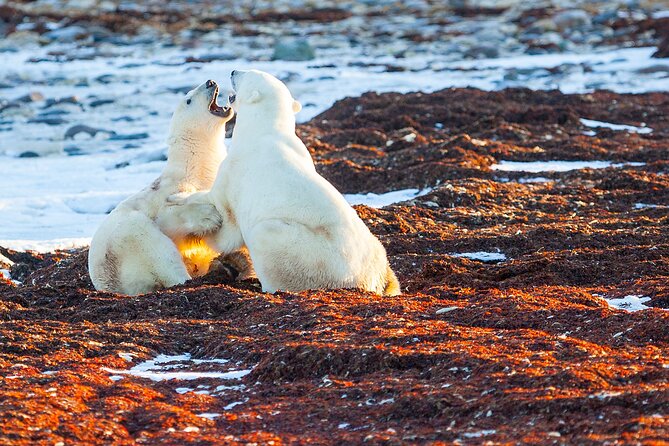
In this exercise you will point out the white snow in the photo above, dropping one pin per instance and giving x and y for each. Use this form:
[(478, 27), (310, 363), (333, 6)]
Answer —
[(175, 367), (483, 256), (555, 166), (209, 415), (647, 206), (386, 199), (479, 434), (57, 201), (632, 302), (628, 128), (446, 310), (234, 404), (534, 180)]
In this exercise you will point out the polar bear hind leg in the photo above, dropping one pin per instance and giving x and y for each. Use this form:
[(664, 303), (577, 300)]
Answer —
[(289, 256), (139, 259)]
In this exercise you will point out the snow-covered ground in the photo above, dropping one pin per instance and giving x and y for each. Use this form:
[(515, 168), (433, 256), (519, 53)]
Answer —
[(64, 184)]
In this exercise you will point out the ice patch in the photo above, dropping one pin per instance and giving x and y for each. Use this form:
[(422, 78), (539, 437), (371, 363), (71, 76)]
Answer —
[(633, 302), (175, 367), (608, 125), (555, 166), (209, 415), (482, 256), (479, 434), (381, 200), (534, 180), (647, 206), (236, 403)]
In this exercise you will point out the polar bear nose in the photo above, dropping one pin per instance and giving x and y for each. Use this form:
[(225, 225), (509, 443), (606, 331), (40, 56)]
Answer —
[(210, 84)]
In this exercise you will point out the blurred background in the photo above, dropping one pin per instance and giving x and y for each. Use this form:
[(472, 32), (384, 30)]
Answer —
[(87, 87)]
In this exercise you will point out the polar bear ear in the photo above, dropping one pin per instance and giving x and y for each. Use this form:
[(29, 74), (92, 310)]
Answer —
[(296, 106), (253, 97)]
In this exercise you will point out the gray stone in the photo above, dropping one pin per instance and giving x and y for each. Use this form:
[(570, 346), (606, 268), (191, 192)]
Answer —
[(67, 34), (572, 19), (29, 154), (48, 120), (129, 137), (296, 50), (483, 51), (30, 97), (82, 128)]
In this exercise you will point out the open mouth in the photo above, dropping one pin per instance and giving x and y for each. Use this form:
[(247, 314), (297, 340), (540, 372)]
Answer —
[(217, 110)]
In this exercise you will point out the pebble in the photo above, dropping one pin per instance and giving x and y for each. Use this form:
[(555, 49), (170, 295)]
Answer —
[(29, 154), (128, 137), (47, 120), (67, 34), (572, 19), (82, 128)]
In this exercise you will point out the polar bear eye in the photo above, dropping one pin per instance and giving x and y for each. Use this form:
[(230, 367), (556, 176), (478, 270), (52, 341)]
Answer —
[(188, 102)]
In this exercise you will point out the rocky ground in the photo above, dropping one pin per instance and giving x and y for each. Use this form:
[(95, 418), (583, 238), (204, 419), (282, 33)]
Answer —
[(521, 348)]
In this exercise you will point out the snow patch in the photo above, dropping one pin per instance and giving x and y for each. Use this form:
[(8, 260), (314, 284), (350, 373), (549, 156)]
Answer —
[(482, 256), (633, 302), (381, 200), (479, 434), (629, 128), (175, 367), (556, 166)]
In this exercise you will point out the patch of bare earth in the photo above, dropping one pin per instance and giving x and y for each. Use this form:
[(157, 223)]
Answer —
[(522, 350)]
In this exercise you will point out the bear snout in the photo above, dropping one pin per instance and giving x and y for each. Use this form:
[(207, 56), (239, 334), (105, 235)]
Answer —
[(210, 84)]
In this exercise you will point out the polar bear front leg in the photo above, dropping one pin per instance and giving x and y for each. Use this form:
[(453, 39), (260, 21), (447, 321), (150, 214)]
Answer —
[(184, 215)]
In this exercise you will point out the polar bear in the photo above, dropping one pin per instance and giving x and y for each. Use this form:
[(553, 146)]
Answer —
[(299, 230), (144, 245)]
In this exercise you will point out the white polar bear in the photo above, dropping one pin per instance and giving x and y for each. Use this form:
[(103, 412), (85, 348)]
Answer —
[(144, 245), (299, 230)]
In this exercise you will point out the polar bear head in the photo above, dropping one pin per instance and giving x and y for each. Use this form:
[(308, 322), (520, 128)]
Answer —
[(262, 97), (198, 116)]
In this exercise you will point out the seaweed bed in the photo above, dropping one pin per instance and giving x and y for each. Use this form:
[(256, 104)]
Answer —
[(520, 350)]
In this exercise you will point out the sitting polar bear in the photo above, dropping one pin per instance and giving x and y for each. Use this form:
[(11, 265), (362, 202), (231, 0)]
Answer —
[(299, 230), (144, 245)]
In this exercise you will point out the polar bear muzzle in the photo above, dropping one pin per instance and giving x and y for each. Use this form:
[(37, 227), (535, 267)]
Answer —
[(214, 108)]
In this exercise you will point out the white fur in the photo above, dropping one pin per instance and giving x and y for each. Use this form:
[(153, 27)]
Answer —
[(300, 231), (145, 244)]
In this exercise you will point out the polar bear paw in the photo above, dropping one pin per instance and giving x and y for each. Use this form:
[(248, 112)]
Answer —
[(201, 219), (195, 216)]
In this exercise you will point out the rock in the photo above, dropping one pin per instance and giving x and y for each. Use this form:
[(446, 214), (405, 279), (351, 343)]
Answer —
[(605, 17), (129, 137), (489, 51), (206, 58), (66, 100), (66, 35), (296, 50), (73, 151), (572, 19), (100, 102), (662, 48), (82, 128), (543, 25), (29, 154), (47, 120), (30, 97)]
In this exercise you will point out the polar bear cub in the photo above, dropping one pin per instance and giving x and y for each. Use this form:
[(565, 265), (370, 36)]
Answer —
[(144, 245), (299, 230)]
